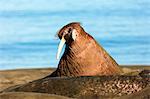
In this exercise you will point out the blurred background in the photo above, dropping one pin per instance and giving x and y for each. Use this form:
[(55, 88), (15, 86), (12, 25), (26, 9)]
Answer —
[(28, 28)]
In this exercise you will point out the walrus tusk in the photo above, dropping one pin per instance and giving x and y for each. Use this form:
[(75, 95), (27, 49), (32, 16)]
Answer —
[(60, 46)]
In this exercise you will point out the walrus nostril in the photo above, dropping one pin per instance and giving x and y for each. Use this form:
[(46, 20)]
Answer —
[(70, 30)]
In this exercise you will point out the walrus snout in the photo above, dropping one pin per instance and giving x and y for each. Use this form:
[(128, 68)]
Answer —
[(66, 35)]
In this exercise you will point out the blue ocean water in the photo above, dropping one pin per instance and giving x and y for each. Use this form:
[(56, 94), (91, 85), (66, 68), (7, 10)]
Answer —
[(28, 28)]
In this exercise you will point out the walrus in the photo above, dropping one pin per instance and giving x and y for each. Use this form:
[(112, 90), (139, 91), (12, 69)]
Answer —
[(83, 56), (104, 87)]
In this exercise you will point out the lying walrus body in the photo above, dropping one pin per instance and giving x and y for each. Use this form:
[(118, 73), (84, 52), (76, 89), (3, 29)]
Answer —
[(143, 94), (102, 86)]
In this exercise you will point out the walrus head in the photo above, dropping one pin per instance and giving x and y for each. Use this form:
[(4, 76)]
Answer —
[(69, 35), (83, 56)]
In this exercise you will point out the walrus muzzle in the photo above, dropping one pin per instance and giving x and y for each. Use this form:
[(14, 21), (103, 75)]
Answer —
[(63, 41)]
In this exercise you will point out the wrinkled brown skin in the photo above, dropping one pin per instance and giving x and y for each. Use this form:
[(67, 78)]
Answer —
[(143, 94), (86, 86), (84, 56)]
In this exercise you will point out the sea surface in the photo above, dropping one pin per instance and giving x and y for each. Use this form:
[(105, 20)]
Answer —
[(28, 29)]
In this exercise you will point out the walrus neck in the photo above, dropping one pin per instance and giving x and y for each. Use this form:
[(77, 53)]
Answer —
[(77, 47), (68, 65)]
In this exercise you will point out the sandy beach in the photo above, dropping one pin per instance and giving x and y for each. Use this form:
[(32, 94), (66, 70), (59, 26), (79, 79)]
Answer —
[(21, 76)]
